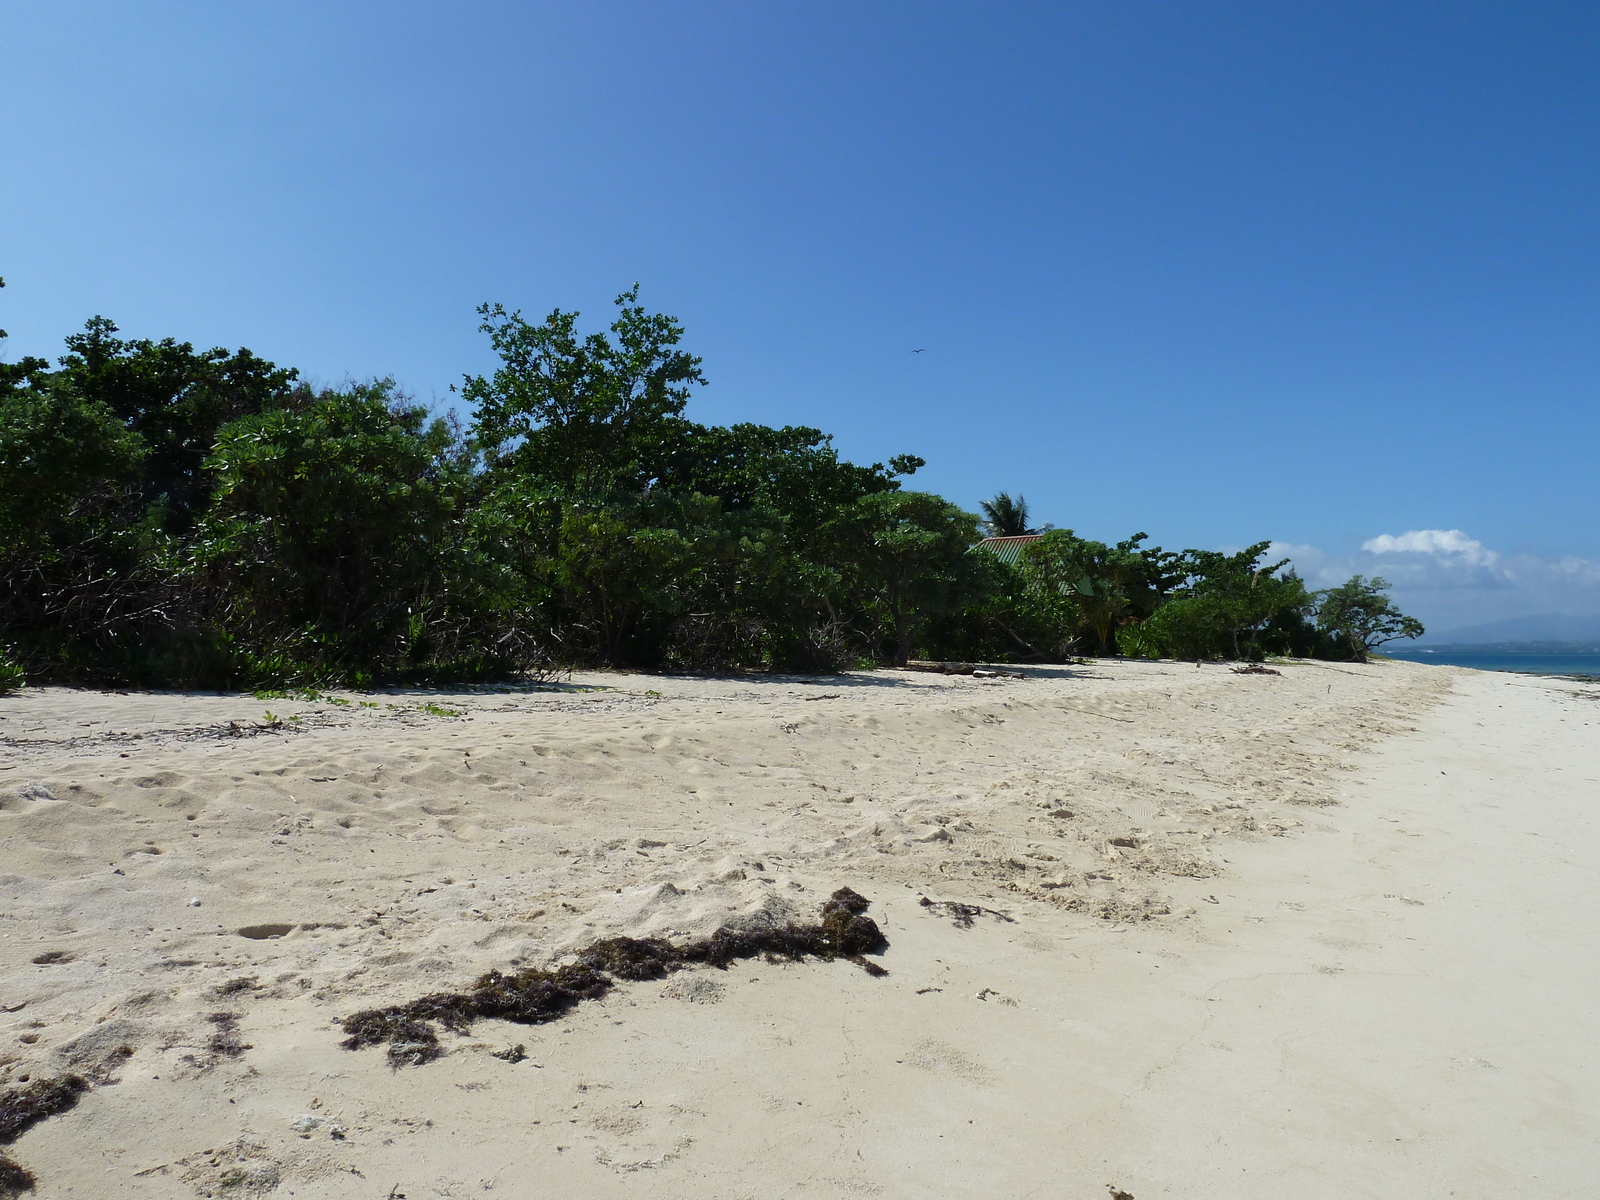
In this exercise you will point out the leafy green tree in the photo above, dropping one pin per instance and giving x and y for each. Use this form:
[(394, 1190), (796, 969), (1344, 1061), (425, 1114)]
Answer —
[(1235, 595), (1110, 584), (1292, 629), (794, 471), (1359, 615), (72, 536), (668, 580), (756, 520), (1226, 606), (1007, 617), (19, 373), (590, 415), (75, 546), (174, 400), (648, 539), (329, 530), (66, 464), (1005, 517), (912, 562), (793, 483), (615, 571), (14, 374)]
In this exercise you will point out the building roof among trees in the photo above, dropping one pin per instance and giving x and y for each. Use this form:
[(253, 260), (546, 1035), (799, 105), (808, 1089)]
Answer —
[(1008, 549)]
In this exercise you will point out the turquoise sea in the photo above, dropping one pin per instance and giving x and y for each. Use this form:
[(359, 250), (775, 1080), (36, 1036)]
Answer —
[(1552, 660)]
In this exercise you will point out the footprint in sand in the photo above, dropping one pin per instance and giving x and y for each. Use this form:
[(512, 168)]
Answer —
[(261, 933)]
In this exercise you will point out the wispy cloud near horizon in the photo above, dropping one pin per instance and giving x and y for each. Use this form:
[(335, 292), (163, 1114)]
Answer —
[(1449, 579)]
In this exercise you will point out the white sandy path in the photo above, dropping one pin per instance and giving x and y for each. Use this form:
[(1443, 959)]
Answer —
[(1397, 1000), (1403, 1003)]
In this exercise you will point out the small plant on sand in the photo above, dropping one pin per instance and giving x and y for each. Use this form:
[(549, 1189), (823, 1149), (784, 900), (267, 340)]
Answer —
[(1135, 640)]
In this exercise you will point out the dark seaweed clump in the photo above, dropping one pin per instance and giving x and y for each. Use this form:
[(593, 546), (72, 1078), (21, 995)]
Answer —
[(535, 995), (245, 983), (14, 1178), (225, 1041), (23, 1107)]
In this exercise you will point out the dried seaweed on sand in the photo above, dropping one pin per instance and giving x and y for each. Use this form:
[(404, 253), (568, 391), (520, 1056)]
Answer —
[(23, 1107), (536, 995)]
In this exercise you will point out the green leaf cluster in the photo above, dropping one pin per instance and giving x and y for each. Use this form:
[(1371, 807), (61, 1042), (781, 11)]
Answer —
[(1145, 602)]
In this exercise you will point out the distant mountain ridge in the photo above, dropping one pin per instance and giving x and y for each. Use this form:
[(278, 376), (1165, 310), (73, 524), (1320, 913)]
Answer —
[(1546, 627)]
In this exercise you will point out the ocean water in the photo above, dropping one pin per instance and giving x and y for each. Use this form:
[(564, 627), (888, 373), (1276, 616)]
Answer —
[(1489, 658)]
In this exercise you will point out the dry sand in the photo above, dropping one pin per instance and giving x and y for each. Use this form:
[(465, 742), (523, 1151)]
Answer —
[(1329, 933)]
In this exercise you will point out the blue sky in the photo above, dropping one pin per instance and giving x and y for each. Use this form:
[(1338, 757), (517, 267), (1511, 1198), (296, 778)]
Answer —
[(1324, 274)]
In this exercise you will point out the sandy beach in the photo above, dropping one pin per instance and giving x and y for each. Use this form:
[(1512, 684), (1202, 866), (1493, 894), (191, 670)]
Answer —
[(1154, 930)]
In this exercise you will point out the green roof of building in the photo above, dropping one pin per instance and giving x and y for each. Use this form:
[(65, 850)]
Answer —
[(1008, 549)]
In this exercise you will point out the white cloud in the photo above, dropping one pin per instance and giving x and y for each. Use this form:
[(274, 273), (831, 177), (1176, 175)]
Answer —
[(1432, 541), (1450, 579)]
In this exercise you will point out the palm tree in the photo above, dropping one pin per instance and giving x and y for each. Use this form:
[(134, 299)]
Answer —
[(1005, 517)]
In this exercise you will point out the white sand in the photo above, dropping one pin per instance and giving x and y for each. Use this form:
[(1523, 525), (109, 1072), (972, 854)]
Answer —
[(1348, 949)]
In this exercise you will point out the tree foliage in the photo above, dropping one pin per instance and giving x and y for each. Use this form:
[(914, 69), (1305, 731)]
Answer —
[(590, 415), (1005, 517), (1360, 617), (911, 562), (330, 532), (175, 401), (176, 516)]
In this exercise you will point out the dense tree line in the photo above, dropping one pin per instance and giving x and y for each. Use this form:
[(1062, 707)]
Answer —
[(173, 516)]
